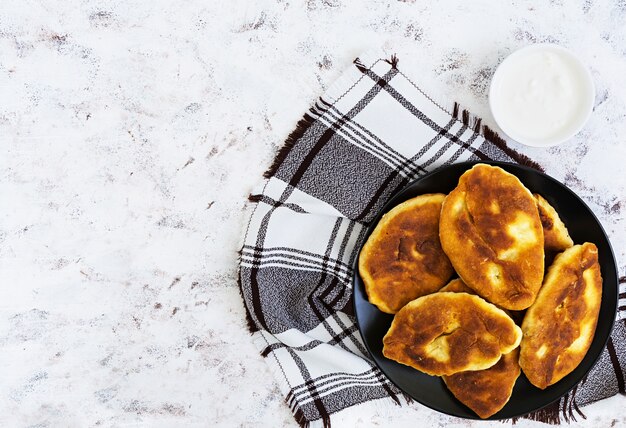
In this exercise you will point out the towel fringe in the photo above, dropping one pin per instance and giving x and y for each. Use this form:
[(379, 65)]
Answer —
[(576, 408), (255, 198), (475, 124), (551, 414), (393, 61), (326, 420), (304, 423), (569, 411), (407, 398), (395, 398), (455, 110), (359, 65), (301, 127), (301, 419), (565, 409), (266, 351)]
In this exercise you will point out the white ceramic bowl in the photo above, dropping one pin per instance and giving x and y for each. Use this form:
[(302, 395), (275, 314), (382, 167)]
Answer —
[(525, 131)]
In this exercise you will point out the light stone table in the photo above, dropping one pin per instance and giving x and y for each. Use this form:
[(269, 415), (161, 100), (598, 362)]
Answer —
[(131, 134)]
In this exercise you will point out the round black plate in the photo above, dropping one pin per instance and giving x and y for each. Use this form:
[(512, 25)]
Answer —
[(583, 226)]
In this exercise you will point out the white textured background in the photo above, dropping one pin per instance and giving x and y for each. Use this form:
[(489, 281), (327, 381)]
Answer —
[(131, 134)]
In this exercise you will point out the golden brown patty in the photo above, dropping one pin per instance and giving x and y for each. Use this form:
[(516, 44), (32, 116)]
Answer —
[(486, 391), (483, 391), (446, 333), (559, 327), (491, 231), (403, 259), (555, 234)]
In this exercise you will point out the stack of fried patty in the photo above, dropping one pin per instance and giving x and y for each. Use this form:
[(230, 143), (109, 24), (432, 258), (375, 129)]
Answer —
[(494, 234)]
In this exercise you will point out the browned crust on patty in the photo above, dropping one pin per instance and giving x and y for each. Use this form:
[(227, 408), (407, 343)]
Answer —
[(487, 391), (559, 327), (445, 333), (491, 231), (555, 235), (402, 259)]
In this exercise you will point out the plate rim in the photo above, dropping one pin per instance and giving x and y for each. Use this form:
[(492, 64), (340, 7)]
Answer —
[(387, 206)]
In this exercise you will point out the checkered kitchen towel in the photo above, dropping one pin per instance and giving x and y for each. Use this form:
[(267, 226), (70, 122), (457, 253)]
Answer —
[(372, 133)]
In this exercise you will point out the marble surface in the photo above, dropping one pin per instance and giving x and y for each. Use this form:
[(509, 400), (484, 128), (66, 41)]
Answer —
[(131, 134)]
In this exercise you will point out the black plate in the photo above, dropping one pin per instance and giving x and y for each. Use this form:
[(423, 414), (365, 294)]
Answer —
[(583, 226)]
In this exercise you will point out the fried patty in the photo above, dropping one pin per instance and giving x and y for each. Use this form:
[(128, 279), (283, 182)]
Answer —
[(486, 391), (491, 231), (402, 259), (446, 333), (555, 235), (559, 327)]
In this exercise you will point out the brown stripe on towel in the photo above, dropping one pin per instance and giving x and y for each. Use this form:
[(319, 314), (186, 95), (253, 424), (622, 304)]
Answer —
[(252, 327), (256, 300), (616, 367)]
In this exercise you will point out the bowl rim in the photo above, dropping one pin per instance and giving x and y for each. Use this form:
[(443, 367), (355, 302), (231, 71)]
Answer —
[(591, 89), (469, 164)]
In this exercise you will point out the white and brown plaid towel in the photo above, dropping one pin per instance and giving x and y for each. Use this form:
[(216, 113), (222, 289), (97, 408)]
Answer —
[(368, 136)]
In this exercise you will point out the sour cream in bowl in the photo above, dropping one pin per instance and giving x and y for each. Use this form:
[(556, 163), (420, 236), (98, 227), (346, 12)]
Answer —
[(541, 95)]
